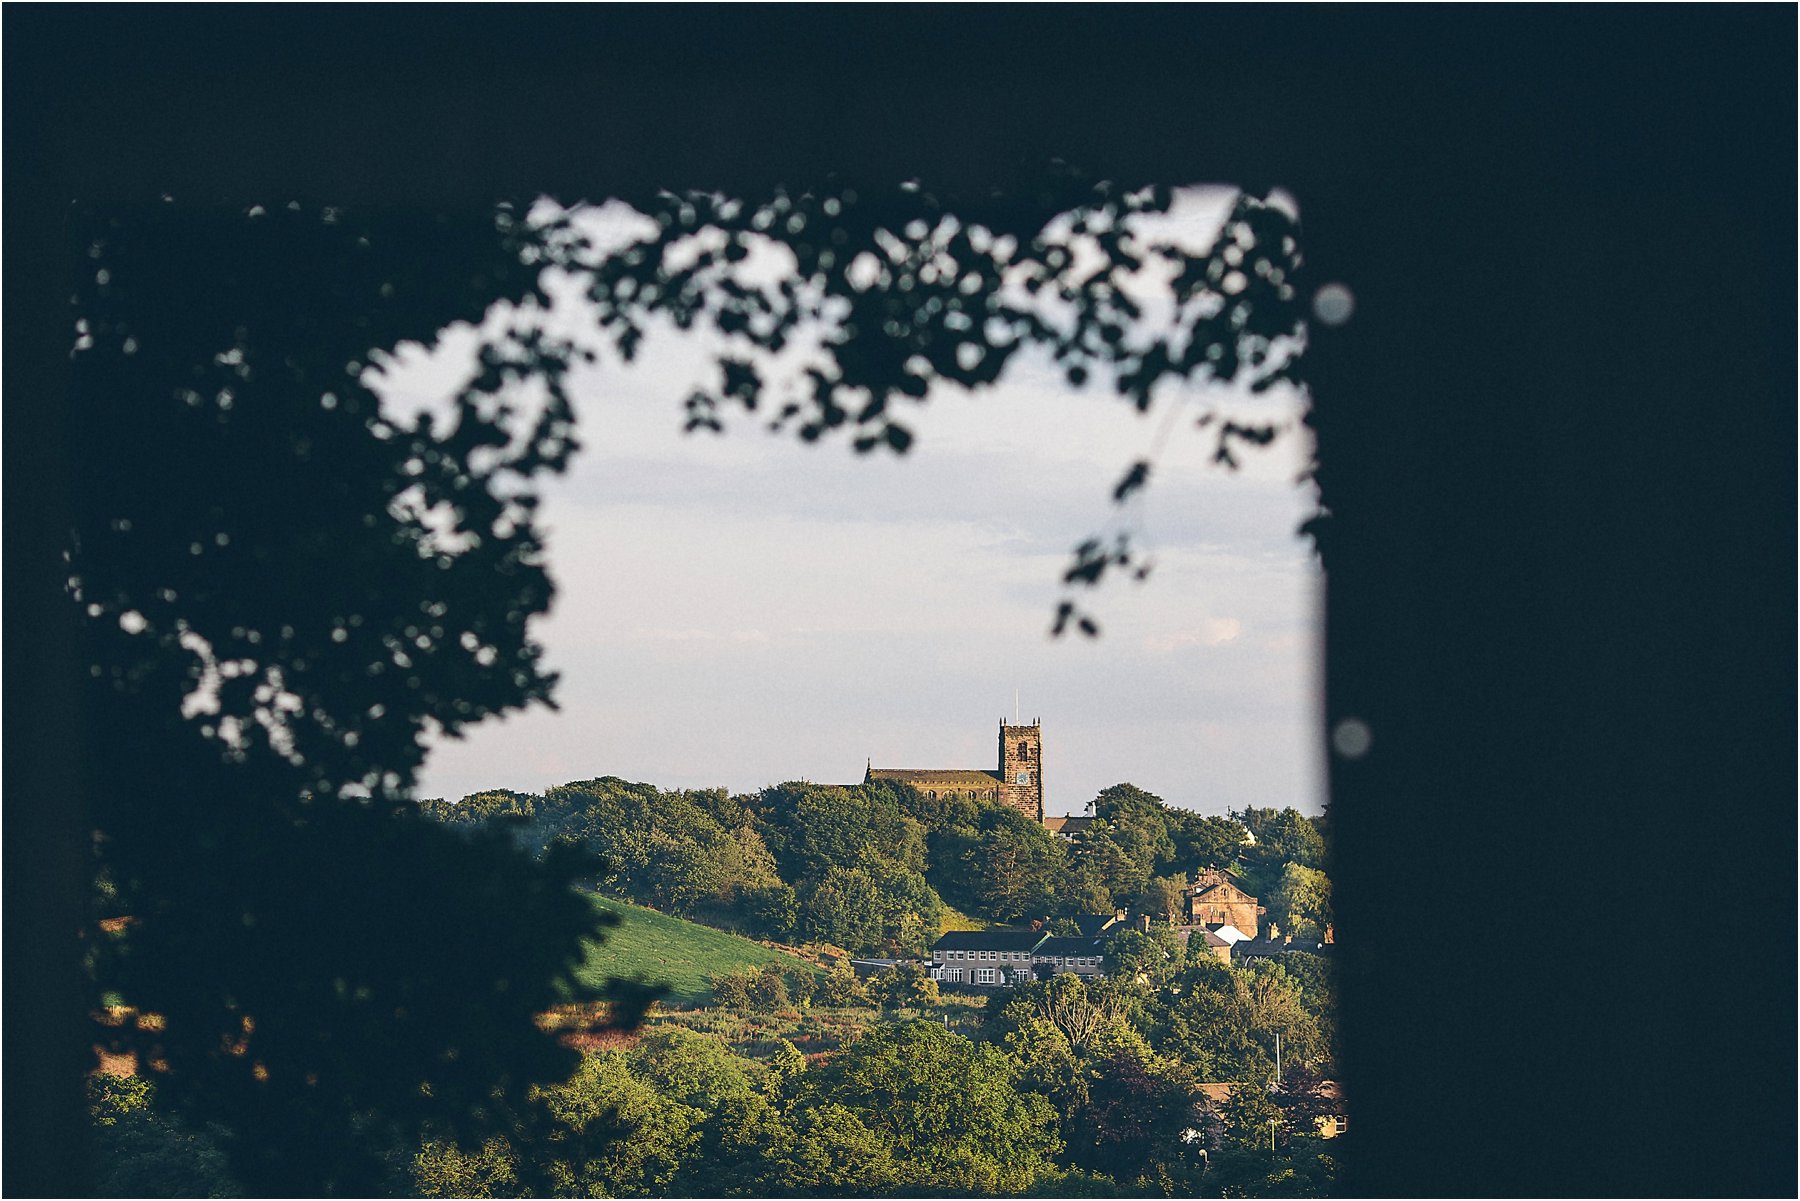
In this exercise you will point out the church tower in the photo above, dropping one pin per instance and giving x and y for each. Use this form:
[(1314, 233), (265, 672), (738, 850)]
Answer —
[(1022, 769)]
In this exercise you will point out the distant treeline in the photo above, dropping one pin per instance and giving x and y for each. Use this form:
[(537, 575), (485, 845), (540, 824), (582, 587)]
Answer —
[(870, 867), (1067, 1089)]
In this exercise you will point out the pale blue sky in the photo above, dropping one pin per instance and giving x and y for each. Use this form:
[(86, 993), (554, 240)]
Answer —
[(740, 610)]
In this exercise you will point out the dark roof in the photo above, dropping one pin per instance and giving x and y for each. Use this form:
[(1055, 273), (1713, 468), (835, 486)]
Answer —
[(1091, 924), (999, 939), (1068, 945), (1254, 948)]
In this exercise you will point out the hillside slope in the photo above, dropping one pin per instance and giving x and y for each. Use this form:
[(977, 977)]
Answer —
[(674, 952)]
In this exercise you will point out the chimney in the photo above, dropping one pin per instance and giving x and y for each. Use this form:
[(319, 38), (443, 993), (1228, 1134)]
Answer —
[(1274, 932), (1328, 933), (1144, 922)]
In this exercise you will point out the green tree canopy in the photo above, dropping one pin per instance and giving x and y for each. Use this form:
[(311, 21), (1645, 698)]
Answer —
[(1203, 841), (1138, 1108), (949, 1109), (907, 986), (834, 1153), (1300, 903), (1283, 836), (1012, 868), (613, 1134)]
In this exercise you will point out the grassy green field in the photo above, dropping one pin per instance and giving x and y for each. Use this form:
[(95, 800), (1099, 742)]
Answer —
[(956, 919), (673, 952)]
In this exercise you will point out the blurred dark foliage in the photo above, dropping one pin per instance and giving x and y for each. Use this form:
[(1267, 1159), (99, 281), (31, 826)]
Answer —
[(272, 625), (915, 288)]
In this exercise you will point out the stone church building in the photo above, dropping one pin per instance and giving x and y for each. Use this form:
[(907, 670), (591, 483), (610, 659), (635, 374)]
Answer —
[(1018, 781), (1214, 899)]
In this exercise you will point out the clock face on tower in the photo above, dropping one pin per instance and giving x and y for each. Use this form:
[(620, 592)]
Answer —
[(1024, 777)]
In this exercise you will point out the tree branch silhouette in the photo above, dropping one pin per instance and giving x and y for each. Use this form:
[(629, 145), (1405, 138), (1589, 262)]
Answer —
[(287, 590)]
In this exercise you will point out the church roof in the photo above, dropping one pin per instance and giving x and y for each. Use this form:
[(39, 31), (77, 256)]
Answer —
[(950, 777)]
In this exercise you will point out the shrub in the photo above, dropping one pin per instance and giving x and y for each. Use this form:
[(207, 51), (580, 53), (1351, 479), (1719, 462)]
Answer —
[(767, 989), (732, 989)]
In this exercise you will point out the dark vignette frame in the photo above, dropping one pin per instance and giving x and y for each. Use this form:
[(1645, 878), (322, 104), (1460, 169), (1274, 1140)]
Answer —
[(1556, 441)]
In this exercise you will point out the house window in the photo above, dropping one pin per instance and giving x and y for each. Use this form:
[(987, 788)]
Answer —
[(985, 975), (954, 975)]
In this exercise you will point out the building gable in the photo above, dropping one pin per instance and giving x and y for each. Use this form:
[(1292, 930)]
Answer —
[(1223, 893)]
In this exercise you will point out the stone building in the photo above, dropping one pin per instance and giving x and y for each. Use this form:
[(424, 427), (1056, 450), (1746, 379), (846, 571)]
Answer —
[(1018, 780), (1214, 899), (1069, 829), (1219, 948)]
